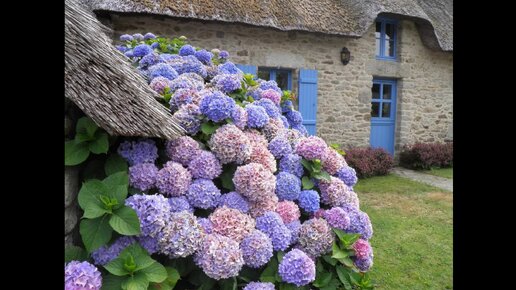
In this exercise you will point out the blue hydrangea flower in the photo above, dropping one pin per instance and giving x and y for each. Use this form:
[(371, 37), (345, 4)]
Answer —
[(256, 249), (126, 37), (149, 35), (217, 106), (279, 147), (239, 117), (294, 118), (234, 200), (180, 203), (122, 48), (167, 56), (129, 53), (204, 56), (141, 151), (294, 227), (271, 224), (142, 176), (297, 268), (309, 201), (269, 106), (301, 129), (364, 264), (227, 83), (149, 60), (288, 186), (203, 193), (291, 163), (187, 49), (82, 276), (188, 64), (265, 85), (223, 54), (359, 222), (154, 45), (206, 225), (189, 118), (138, 36), (163, 70), (106, 254), (348, 175), (141, 50), (152, 210), (287, 106), (229, 68), (256, 116), (285, 122), (149, 243)]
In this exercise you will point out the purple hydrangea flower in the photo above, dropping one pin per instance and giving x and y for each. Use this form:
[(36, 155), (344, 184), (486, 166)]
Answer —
[(149, 35), (337, 218), (82, 276), (149, 60), (184, 96), (279, 147), (269, 106), (191, 81), (287, 106), (239, 117), (204, 56), (167, 56), (149, 243), (152, 211), (106, 254), (265, 85), (294, 118), (230, 144), (256, 249), (271, 224), (187, 49), (122, 48), (142, 176), (336, 193), (182, 149), (205, 165), (141, 151), (227, 83), (188, 64), (126, 37), (217, 106), (154, 45), (229, 68), (178, 204), (162, 70), (206, 225), (297, 268), (359, 222), (311, 147), (315, 237), (181, 236), (141, 50), (294, 227), (288, 186), (254, 182), (348, 175), (173, 179), (231, 223), (223, 54), (129, 53), (309, 200), (362, 249), (159, 84), (364, 264), (203, 193), (138, 36), (219, 257), (301, 129), (188, 117), (291, 163), (256, 116), (234, 200)]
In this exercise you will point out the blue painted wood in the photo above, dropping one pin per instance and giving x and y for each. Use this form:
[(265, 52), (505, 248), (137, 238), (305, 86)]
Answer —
[(382, 55), (248, 69), (382, 127), (308, 98)]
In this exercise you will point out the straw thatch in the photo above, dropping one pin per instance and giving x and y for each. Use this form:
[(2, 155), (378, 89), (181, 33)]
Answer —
[(102, 83), (434, 18)]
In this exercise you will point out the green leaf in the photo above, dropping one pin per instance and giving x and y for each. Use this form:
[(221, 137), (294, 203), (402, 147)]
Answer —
[(117, 185), (307, 183), (82, 137), (287, 286), (169, 283), (322, 175), (117, 267), (343, 277), (74, 253), (280, 256), (307, 164), (89, 199), (329, 260), (100, 144), (355, 277), (115, 164), (86, 125), (95, 232), (140, 255), (269, 273), (208, 128), (333, 285), (112, 282), (125, 221), (345, 238), (227, 176), (346, 261), (75, 153), (340, 254), (323, 279), (228, 284), (137, 282), (155, 272), (316, 166)]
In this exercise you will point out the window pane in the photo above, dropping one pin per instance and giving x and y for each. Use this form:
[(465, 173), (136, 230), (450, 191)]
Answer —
[(389, 48), (377, 46), (376, 91), (375, 109), (387, 92), (378, 29), (389, 31), (282, 79), (263, 74), (386, 110)]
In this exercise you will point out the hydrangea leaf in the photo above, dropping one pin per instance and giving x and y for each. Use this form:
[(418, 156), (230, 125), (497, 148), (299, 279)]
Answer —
[(330, 260), (137, 282), (155, 272), (115, 163), (75, 153), (322, 175), (112, 282), (332, 285), (346, 261), (116, 267), (74, 253), (228, 284), (307, 183), (95, 232), (343, 275), (340, 254), (140, 255), (89, 199), (125, 221), (86, 125), (117, 185), (269, 274), (100, 144), (322, 279)]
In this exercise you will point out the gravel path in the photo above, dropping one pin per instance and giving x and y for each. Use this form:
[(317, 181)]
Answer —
[(440, 182)]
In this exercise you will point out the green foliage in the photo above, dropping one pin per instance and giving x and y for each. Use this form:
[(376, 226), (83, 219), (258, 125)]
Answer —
[(74, 253), (165, 45), (115, 164), (270, 273), (307, 183), (287, 96), (338, 149), (137, 269), (314, 168), (88, 138), (226, 177)]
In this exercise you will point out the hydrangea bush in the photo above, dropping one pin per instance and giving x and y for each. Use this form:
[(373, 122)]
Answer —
[(245, 199)]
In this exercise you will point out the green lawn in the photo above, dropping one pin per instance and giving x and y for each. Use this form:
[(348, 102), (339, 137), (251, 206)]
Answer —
[(413, 232), (442, 172)]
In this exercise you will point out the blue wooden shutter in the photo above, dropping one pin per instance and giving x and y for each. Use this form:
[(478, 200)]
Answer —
[(248, 69), (308, 98)]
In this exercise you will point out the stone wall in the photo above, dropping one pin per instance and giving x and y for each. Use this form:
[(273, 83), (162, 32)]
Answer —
[(343, 115)]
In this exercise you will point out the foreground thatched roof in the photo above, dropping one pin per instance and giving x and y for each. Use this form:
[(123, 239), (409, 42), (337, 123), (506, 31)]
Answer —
[(341, 17), (101, 82)]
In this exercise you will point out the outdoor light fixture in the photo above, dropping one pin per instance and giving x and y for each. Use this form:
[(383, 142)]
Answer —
[(345, 55)]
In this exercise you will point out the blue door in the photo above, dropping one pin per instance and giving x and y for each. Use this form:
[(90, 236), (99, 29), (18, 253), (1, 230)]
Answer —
[(308, 98), (383, 114)]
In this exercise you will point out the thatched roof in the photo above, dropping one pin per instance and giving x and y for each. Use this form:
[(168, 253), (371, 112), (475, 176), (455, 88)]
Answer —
[(102, 83), (341, 17)]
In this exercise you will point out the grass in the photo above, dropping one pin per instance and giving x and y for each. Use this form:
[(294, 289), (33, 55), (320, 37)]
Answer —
[(442, 172), (413, 232)]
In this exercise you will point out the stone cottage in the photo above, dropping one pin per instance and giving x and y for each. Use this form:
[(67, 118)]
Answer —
[(376, 73)]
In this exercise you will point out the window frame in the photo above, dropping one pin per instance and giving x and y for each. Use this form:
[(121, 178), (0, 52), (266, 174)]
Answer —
[(273, 73), (383, 22), (381, 82)]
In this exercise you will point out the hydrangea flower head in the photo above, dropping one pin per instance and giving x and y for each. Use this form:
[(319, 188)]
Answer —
[(315, 237), (231, 223), (204, 56), (142, 176), (178, 204), (309, 201), (217, 106), (159, 84), (173, 179), (152, 211), (291, 163), (227, 83), (337, 218), (229, 68), (162, 70), (234, 200), (311, 148), (106, 254), (126, 37), (181, 236), (279, 147), (182, 149), (348, 175), (203, 193), (141, 50), (256, 116), (254, 181), (272, 225), (297, 268), (219, 257), (82, 276), (288, 211), (205, 165), (229, 144), (187, 49), (141, 151), (256, 249), (149, 35), (188, 117), (288, 186), (262, 155)]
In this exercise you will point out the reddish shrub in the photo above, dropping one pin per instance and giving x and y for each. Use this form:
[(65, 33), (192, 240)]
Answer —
[(426, 155), (369, 161)]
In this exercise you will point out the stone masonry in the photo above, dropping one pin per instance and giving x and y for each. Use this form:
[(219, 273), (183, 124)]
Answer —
[(424, 109)]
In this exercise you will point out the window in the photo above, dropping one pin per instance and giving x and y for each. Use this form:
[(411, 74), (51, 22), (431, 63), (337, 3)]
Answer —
[(282, 76), (386, 39), (381, 101)]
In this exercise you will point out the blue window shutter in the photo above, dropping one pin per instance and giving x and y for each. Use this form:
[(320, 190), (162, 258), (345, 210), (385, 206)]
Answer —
[(248, 69), (308, 98)]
